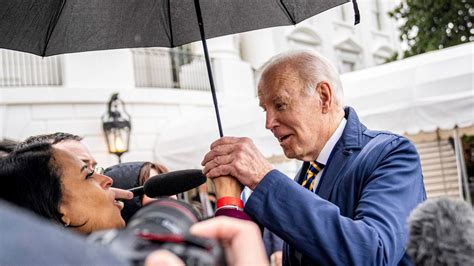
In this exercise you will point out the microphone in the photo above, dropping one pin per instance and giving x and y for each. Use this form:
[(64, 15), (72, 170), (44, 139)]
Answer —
[(441, 232), (137, 191), (171, 183)]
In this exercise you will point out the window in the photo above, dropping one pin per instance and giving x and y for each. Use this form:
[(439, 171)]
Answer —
[(343, 14), (348, 61), (382, 53), (153, 67), (163, 67), (22, 69), (179, 56), (349, 55), (377, 15), (304, 38), (347, 66)]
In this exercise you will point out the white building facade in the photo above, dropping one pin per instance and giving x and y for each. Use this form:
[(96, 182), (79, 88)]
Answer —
[(69, 92)]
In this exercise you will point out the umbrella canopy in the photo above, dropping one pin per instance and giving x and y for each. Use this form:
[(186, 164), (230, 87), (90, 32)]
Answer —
[(51, 27)]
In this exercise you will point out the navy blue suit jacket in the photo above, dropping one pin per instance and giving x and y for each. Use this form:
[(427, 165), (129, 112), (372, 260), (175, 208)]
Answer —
[(358, 214)]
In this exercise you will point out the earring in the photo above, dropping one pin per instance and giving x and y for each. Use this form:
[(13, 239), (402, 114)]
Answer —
[(65, 223)]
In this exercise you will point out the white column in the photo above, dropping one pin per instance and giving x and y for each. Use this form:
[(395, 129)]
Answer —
[(99, 69), (221, 47), (2, 117), (232, 76), (257, 47)]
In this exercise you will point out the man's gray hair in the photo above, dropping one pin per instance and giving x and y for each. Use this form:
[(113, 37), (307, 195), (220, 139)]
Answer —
[(311, 67), (52, 139)]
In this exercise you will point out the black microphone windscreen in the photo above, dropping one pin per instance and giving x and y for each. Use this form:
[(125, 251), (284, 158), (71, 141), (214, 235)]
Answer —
[(173, 183), (137, 191)]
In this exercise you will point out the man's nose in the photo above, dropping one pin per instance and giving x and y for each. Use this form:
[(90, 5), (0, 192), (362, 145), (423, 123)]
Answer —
[(270, 121)]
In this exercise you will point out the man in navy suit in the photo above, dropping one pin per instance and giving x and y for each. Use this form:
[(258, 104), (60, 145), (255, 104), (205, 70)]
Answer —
[(356, 186)]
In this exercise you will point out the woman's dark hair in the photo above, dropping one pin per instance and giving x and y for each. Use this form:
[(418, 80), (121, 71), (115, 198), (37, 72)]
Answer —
[(6, 147), (31, 179), (145, 171)]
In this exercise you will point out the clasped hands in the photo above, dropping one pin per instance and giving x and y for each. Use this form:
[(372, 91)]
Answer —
[(236, 157)]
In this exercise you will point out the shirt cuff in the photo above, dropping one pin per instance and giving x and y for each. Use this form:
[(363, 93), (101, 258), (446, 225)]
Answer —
[(270, 185)]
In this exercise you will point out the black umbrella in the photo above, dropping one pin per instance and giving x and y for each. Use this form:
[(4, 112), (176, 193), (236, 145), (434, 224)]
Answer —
[(51, 27)]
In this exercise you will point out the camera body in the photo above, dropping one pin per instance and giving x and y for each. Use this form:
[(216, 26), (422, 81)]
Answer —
[(162, 224)]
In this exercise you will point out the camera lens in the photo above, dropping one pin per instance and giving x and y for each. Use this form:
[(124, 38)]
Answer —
[(162, 224), (164, 216)]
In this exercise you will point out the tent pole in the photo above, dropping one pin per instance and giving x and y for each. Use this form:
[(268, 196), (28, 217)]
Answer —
[(208, 65), (462, 173)]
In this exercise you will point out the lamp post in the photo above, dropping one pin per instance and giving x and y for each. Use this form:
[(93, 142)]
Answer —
[(117, 127)]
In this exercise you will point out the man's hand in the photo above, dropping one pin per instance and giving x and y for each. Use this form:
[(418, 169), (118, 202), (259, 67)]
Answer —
[(227, 186), (241, 239), (163, 258), (237, 157), (122, 194)]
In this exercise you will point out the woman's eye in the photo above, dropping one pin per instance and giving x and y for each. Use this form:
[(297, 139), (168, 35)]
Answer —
[(90, 174)]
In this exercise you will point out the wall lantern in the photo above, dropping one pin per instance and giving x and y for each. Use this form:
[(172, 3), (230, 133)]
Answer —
[(117, 126)]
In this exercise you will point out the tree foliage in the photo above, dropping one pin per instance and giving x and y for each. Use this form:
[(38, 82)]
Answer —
[(434, 24)]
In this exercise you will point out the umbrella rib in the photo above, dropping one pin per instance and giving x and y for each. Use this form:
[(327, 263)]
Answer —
[(287, 12), (52, 26), (169, 22)]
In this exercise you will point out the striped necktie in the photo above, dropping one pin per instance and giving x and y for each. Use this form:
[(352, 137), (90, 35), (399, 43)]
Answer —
[(313, 169)]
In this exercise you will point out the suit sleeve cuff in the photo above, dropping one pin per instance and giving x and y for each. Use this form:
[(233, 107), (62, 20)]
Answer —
[(268, 189)]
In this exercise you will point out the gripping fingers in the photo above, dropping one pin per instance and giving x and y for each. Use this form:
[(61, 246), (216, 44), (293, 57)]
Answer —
[(221, 170), (224, 141), (217, 151)]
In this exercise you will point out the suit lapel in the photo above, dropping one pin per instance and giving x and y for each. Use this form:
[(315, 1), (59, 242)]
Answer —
[(336, 164), (341, 154)]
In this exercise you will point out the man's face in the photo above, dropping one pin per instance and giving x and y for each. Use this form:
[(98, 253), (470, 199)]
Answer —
[(80, 150), (293, 116)]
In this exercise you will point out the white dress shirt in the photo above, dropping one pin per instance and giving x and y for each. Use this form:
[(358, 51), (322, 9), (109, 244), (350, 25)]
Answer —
[(327, 149)]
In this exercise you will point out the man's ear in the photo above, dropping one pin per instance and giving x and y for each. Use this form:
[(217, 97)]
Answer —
[(325, 94)]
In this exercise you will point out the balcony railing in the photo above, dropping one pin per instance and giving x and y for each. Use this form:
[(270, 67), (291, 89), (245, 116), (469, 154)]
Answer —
[(153, 68), (158, 68), (22, 69)]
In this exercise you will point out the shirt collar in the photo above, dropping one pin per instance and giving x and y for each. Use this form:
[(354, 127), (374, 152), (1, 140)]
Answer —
[(327, 149)]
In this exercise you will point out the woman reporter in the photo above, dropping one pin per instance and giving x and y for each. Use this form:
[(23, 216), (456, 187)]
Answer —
[(58, 186)]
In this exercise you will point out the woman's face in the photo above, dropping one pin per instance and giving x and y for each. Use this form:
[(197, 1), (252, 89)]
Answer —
[(87, 201), (145, 198)]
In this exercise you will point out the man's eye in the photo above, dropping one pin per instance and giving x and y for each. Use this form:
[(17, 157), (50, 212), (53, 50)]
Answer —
[(90, 174), (280, 106)]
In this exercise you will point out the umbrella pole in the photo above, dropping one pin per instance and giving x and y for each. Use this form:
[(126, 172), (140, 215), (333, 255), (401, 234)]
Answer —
[(226, 186), (208, 65)]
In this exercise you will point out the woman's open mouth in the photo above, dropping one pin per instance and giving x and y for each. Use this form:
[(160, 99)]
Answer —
[(119, 204)]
